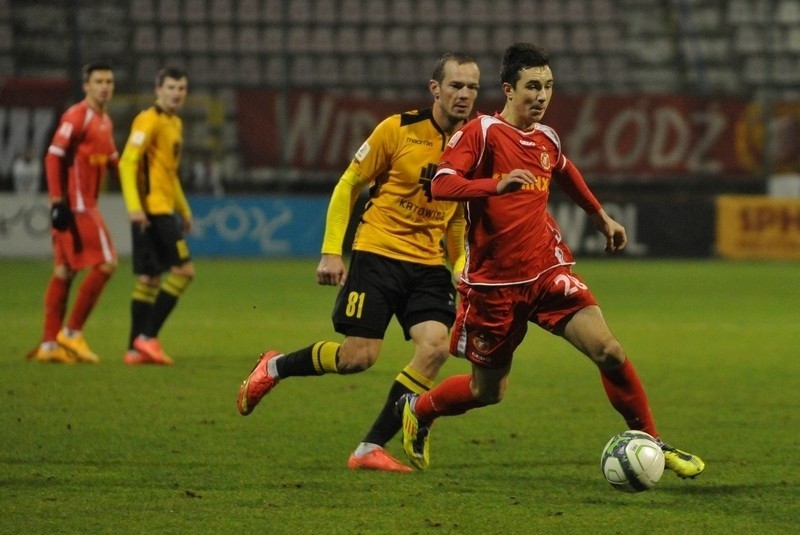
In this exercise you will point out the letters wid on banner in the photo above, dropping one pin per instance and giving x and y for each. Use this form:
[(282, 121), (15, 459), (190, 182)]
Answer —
[(644, 136)]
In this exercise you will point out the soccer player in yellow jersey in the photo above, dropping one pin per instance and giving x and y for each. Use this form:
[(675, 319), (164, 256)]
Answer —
[(154, 196), (398, 265)]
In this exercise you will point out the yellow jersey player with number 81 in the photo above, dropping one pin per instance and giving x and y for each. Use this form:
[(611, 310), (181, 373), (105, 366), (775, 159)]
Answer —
[(398, 265)]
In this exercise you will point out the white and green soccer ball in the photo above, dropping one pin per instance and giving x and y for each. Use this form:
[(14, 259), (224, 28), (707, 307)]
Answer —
[(632, 461)]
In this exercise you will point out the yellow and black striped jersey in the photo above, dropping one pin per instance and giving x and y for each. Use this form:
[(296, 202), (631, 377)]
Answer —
[(401, 219), (149, 166)]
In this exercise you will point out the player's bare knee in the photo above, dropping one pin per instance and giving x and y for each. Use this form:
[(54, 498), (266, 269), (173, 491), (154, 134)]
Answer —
[(108, 267), (609, 354), (185, 270), (63, 272), (438, 356)]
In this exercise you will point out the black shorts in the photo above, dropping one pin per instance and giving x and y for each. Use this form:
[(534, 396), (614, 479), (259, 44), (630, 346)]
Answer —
[(378, 288), (159, 247)]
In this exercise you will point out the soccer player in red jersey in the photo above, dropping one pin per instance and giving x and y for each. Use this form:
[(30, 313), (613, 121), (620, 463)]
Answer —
[(81, 152), (518, 268)]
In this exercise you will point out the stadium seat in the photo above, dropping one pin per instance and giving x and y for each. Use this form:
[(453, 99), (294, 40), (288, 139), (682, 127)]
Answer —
[(297, 39), (602, 11), (169, 11), (197, 38), (222, 39), (424, 39), (582, 39), (328, 70), (403, 11), (249, 70), (142, 10), (221, 11), (322, 39), (248, 11), (354, 70), (555, 38), (145, 38), (374, 40), (350, 11), (194, 11), (788, 12), (275, 70), (375, 12), (172, 38), (247, 39), (272, 39), (793, 39), (748, 39), (478, 39), (398, 39), (302, 70), (323, 13), (146, 68), (576, 12), (448, 35), (299, 11), (273, 11), (6, 37)]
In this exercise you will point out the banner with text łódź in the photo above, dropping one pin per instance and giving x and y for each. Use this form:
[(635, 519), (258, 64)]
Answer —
[(636, 137), (257, 226)]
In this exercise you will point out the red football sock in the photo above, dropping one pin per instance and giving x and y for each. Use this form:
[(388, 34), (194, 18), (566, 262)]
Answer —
[(450, 398), (55, 306), (87, 296), (627, 396)]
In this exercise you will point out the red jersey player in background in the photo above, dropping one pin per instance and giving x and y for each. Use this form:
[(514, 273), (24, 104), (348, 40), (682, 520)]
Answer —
[(518, 268), (81, 152)]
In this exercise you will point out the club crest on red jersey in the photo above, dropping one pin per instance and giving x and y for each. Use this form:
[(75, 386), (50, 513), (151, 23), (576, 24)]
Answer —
[(481, 344), (544, 159)]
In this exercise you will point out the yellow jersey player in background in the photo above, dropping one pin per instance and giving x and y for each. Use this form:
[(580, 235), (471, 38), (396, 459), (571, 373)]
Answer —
[(160, 216), (398, 265)]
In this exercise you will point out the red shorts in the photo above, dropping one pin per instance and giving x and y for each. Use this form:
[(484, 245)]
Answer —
[(492, 320), (85, 243)]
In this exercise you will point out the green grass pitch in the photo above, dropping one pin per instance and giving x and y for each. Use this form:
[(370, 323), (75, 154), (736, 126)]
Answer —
[(114, 449)]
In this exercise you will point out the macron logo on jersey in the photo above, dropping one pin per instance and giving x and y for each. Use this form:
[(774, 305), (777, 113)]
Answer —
[(454, 139), (137, 138), (362, 152), (65, 130)]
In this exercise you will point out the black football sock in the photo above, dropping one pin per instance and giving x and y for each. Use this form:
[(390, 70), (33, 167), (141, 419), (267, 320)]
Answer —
[(316, 359), (388, 424)]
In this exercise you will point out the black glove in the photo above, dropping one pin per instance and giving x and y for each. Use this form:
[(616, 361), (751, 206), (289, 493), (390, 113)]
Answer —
[(60, 216)]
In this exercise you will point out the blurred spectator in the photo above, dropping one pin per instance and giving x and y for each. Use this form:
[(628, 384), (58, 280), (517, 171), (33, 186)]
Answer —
[(26, 172)]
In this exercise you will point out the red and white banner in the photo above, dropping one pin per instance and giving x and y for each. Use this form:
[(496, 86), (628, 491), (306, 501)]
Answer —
[(29, 111), (634, 137)]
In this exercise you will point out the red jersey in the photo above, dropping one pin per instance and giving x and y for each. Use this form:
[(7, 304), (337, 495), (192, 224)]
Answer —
[(81, 151), (511, 238)]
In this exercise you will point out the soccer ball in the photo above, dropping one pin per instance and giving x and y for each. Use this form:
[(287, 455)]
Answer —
[(632, 461)]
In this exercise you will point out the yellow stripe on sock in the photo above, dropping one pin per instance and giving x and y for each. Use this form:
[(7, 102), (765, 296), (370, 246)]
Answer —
[(414, 381), (143, 292), (324, 356), (175, 284)]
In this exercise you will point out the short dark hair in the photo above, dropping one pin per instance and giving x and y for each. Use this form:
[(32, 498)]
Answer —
[(176, 73), (89, 68), (521, 56), (458, 57)]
